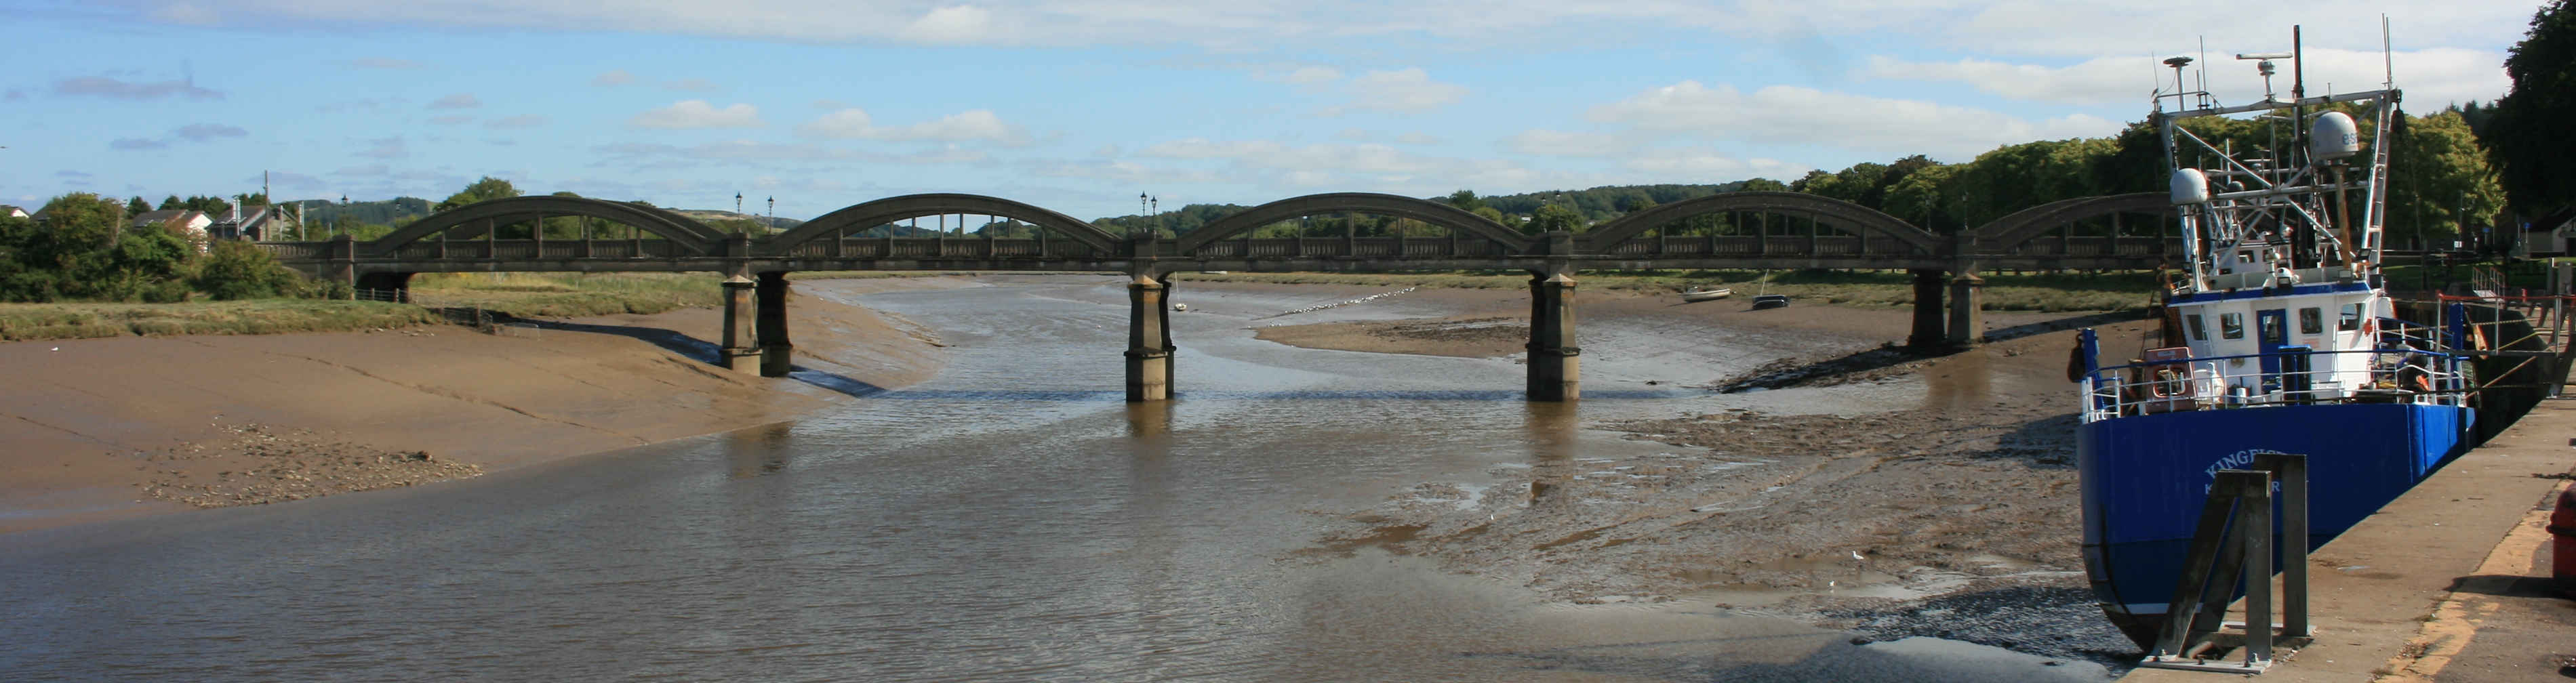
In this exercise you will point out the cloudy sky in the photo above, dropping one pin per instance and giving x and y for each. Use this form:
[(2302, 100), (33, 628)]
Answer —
[(1079, 106)]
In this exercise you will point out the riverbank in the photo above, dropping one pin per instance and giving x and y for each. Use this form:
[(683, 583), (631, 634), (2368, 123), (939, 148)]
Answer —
[(128, 426), (1885, 492)]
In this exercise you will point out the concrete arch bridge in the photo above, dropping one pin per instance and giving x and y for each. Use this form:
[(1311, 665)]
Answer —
[(1762, 230)]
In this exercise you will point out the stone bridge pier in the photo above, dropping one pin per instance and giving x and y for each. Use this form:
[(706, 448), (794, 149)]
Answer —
[(1149, 336), (1555, 362), (755, 324)]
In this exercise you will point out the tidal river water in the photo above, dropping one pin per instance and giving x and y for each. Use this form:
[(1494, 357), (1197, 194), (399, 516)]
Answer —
[(1011, 519)]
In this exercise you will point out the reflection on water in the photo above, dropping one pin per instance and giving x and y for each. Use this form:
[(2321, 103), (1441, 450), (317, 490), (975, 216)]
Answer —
[(1011, 519)]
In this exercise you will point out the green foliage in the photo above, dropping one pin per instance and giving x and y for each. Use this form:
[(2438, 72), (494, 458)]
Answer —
[(484, 190), (19, 322), (2439, 179), (238, 270), (1552, 218), (137, 205), (2525, 136)]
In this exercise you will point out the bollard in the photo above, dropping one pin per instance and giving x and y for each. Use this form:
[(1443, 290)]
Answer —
[(2562, 544)]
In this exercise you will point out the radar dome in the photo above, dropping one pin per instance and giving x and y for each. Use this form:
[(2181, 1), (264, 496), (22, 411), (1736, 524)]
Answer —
[(2190, 186), (2334, 136)]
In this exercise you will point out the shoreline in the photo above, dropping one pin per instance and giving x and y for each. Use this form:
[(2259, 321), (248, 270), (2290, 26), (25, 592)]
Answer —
[(123, 427)]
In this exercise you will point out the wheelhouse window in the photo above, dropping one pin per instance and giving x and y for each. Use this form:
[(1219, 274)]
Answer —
[(2312, 320), (2351, 318), (2231, 325), (2199, 330), (2272, 332)]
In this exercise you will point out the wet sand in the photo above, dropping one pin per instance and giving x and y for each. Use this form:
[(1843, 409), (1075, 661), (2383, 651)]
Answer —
[(1941, 503), (100, 429)]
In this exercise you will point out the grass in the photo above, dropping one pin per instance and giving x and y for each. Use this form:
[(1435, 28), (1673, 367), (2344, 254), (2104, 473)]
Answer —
[(84, 320), (2034, 292), (567, 294)]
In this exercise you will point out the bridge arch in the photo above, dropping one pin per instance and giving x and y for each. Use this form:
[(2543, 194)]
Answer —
[(1860, 220), (871, 214), (1427, 211), (2020, 227), (689, 233)]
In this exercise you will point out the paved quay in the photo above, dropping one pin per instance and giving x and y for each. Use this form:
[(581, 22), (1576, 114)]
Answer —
[(2449, 582)]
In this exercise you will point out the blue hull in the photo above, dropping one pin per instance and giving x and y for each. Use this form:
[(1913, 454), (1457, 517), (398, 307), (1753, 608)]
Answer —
[(2145, 478)]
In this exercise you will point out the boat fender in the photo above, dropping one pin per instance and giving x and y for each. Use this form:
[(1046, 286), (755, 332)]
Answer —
[(2562, 550)]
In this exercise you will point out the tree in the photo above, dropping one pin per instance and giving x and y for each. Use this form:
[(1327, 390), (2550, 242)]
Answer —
[(239, 270), (137, 206), (484, 190), (1762, 185), (2438, 180), (1466, 200), (2527, 140), (171, 203), (1552, 217)]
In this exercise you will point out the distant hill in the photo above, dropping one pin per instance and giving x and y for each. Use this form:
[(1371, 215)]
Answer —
[(718, 218), (379, 212)]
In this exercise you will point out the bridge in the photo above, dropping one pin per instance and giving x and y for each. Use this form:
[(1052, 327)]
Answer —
[(1787, 231)]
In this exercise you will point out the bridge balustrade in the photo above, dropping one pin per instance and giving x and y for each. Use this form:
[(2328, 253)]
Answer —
[(295, 250)]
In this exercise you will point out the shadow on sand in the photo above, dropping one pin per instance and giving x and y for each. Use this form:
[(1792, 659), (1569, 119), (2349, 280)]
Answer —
[(700, 350), (1790, 373)]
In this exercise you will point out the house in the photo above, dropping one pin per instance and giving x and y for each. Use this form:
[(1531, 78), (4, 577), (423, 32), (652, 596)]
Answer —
[(253, 223), (2549, 235), (185, 222), (7, 211)]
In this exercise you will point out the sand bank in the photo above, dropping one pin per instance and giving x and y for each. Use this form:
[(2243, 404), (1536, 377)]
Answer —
[(100, 429)]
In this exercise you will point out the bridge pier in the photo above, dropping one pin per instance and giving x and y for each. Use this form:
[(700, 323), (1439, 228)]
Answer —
[(1149, 338), (1928, 331), (1554, 360), (735, 350), (1967, 324), (770, 324)]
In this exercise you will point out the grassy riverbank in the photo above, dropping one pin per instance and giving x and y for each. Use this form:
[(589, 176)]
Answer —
[(83, 320), (2046, 293), (567, 294)]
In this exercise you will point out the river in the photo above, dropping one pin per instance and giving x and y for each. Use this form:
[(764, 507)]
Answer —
[(1011, 519)]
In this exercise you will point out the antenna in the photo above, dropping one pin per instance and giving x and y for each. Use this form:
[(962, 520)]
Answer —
[(2387, 61)]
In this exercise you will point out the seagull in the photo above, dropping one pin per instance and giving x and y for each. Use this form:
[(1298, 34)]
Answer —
[(58, 348), (1856, 556)]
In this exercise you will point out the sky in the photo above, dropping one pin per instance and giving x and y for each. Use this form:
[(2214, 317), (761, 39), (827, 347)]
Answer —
[(1081, 106)]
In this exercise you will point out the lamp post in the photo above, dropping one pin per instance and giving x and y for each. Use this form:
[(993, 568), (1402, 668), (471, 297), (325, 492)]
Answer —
[(1141, 201), (1156, 204)]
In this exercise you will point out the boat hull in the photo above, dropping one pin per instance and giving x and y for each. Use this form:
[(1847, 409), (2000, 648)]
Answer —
[(2146, 477)]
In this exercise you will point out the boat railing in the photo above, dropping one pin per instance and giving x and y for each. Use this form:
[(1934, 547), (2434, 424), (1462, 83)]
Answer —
[(2392, 375)]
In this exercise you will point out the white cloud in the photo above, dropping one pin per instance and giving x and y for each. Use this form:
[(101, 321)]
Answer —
[(451, 119), (456, 101), (520, 121), (950, 25), (613, 77), (1306, 75), (1565, 144), (2437, 75), (385, 148), (1408, 89), (1873, 127), (693, 85), (186, 13), (967, 126), (699, 114), (201, 132)]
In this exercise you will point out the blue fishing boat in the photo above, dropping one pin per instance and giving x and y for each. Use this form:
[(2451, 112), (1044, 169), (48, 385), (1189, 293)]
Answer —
[(2280, 337)]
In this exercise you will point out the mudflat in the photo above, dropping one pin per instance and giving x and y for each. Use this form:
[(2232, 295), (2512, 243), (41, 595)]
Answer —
[(1935, 495), (99, 429)]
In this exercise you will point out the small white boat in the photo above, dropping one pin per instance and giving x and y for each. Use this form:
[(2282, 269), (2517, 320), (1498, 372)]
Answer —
[(1696, 294)]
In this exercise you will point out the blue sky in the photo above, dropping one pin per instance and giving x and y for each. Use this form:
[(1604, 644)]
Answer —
[(1080, 106)]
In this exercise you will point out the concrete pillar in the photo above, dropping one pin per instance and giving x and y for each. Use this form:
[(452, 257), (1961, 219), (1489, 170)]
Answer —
[(1171, 377), (1928, 330), (1554, 360), (1149, 357), (343, 268), (771, 323), (736, 350), (1967, 325)]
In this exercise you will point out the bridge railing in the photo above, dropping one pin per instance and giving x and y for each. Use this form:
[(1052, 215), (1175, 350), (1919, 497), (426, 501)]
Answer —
[(2097, 245), (295, 251), (1327, 247)]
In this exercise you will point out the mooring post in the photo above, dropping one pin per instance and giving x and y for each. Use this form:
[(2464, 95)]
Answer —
[(1148, 356), (1928, 330), (1170, 350), (1555, 362), (1967, 325), (737, 348), (2291, 471), (776, 355)]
